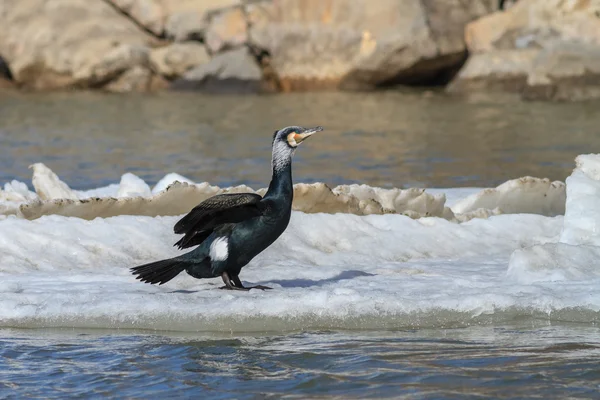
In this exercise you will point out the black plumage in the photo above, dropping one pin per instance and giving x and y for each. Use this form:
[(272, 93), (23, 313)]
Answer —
[(231, 229), (221, 209)]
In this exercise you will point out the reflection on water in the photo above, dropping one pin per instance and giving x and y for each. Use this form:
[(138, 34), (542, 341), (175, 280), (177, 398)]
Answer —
[(493, 362), (381, 139)]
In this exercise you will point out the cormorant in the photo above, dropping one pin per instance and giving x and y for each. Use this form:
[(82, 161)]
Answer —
[(231, 229)]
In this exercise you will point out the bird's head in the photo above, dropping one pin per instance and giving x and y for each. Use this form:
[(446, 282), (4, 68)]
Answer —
[(285, 143), (292, 136)]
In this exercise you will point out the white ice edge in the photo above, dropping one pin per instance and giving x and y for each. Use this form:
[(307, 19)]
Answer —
[(576, 253), (175, 195)]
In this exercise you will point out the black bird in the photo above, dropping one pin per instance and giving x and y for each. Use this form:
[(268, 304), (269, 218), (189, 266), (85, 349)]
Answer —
[(231, 229)]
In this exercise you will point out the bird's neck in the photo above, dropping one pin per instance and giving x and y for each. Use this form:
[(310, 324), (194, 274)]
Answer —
[(281, 181)]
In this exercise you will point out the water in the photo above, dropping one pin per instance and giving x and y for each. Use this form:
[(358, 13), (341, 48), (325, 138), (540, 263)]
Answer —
[(426, 308), (385, 139), (517, 361)]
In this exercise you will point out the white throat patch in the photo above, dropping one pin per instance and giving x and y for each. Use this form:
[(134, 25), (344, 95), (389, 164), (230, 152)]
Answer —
[(219, 249), (282, 155)]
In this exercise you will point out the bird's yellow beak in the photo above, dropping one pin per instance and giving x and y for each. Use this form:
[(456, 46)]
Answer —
[(300, 137)]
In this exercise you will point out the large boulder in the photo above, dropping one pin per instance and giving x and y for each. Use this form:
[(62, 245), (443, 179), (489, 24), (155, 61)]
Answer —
[(541, 49), (187, 19), (150, 14), (136, 79), (233, 71), (52, 44), (226, 29), (176, 19), (176, 59), (362, 43), (565, 72)]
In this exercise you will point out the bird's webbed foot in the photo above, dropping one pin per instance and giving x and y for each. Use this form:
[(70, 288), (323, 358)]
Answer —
[(261, 287), (238, 283), (229, 285), (235, 284)]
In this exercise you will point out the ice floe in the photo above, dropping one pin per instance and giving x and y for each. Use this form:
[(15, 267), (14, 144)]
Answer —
[(353, 256)]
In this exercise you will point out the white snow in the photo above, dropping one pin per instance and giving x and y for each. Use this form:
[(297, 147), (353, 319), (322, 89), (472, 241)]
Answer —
[(48, 185), (328, 270), (168, 180), (523, 195), (575, 255), (133, 186)]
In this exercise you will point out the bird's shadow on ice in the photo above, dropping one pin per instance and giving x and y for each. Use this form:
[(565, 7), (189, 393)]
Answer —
[(304, 283), (184, 291), (301, 283)]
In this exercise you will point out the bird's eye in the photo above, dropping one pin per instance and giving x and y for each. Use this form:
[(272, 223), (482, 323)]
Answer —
[(292, 140)]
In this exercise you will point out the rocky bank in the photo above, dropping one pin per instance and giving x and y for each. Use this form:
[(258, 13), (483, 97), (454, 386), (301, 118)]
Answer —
[(542, 49)]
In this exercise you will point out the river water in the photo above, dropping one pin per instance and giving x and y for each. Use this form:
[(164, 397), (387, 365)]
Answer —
[(388, 139)]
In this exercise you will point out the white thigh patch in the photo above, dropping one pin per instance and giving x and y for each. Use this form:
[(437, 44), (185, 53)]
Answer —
[(219, 249)]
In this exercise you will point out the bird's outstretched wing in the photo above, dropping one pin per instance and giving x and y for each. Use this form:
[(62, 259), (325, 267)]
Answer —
[(221, 209)]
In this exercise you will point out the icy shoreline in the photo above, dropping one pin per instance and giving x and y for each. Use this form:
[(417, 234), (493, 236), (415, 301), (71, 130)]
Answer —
[(175, 195)]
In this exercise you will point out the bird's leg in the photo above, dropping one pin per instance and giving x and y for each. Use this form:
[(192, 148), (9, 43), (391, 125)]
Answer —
[(238, 283), (228, 284)]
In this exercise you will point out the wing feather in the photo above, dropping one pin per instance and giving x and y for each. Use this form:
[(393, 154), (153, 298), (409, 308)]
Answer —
[(221, 209)]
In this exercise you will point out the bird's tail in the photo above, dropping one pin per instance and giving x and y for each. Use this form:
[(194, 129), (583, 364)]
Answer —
[(160, 271)]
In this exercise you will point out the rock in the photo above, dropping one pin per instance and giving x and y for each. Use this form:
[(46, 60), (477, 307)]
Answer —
[(147, 13), (188, 19), (114, 63), (361, 43), (541, 49), (136, 79), (226, 30), (70, 43), (185, 26), (176, 19), (176, 59), (5, 75), (232, 71), (158, 82), (5, 70), (565, 71), (502, 70)]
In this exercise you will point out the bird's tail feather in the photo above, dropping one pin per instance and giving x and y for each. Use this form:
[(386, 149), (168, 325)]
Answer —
[(160, 271)]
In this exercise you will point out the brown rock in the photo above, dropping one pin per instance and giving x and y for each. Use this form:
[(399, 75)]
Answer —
[(188, 19), (70, 43), (136, 79), (502, 70), (158, 82), (234, 71), (565, 71), (4, 69), (481, 34), (226, 30), (176, 19), (542, 49), (361, 44), (176, 59), (147, 13), (6, 78)]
